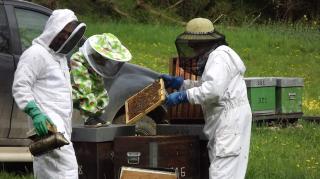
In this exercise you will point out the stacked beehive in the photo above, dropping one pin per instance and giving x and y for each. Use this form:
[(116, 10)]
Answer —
[(275, 97)]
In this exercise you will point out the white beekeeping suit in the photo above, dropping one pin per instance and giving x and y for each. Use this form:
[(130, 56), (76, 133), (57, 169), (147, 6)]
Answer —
[(221, 92), (223, 96), (43, 76)]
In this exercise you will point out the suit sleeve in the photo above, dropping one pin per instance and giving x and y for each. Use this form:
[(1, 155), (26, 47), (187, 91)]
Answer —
[(187, 84), (217, 77), (24, 79)]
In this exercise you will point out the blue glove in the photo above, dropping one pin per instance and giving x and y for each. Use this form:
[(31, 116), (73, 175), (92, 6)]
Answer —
[(176, 98), (172, 81)]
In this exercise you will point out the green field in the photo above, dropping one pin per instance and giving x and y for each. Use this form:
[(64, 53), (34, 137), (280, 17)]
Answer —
[(4, 175), (287, 153), (273, 50)]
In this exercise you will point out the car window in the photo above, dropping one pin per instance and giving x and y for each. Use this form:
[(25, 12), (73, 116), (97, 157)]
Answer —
[(4, 31), (30, 24)]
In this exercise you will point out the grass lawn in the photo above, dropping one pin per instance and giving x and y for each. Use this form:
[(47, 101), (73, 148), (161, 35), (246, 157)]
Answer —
[(276, 50), (286, 153), (4, 175)]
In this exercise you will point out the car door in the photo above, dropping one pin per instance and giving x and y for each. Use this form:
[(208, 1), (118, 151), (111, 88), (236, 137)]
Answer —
[(6, 75), (26, 22)]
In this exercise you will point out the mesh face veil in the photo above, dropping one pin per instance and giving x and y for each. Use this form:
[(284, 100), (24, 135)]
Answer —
[(194, 48), (64, 47), (73, 39)]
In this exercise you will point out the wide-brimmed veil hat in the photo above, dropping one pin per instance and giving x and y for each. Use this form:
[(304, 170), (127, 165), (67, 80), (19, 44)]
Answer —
[(110, 47), (199, 38), (112, 51), (200, 29)]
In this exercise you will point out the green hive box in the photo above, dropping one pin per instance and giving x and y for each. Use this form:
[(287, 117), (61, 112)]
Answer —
[(261, 94), (289, 95)]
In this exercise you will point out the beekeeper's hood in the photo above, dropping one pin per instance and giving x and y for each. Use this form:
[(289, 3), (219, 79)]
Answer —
[(55, 36)]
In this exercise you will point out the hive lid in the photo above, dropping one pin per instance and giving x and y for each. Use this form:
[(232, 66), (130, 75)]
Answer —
[(260, 81), (144, 101), (181, 129), (289, 81), (101, 134)]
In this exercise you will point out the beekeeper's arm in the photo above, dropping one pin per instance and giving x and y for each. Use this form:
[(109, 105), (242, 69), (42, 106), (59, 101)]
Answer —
[(217, 76), (26, 75), (187, 84), (177, 82)]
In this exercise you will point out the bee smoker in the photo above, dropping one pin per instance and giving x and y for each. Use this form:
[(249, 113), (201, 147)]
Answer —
[(49, 142)]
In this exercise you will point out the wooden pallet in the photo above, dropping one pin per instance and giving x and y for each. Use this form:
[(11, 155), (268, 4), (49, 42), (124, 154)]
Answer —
[(284, 116), (282, 119), (142, 104), (315, 119)]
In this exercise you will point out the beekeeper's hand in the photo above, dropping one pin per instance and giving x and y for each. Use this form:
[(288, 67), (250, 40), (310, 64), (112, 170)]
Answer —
[(174, 82), (176, 98), (39, 119)]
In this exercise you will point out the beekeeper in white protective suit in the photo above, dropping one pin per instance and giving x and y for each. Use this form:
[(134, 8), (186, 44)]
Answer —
[(42, 89), (221, 92)]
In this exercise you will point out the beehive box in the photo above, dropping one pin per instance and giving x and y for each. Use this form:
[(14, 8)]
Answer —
[(140, 173), (289, 95), (144, 101), (94, 149), (195, 130), (181, 152), (184, 113), (261, 94)]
